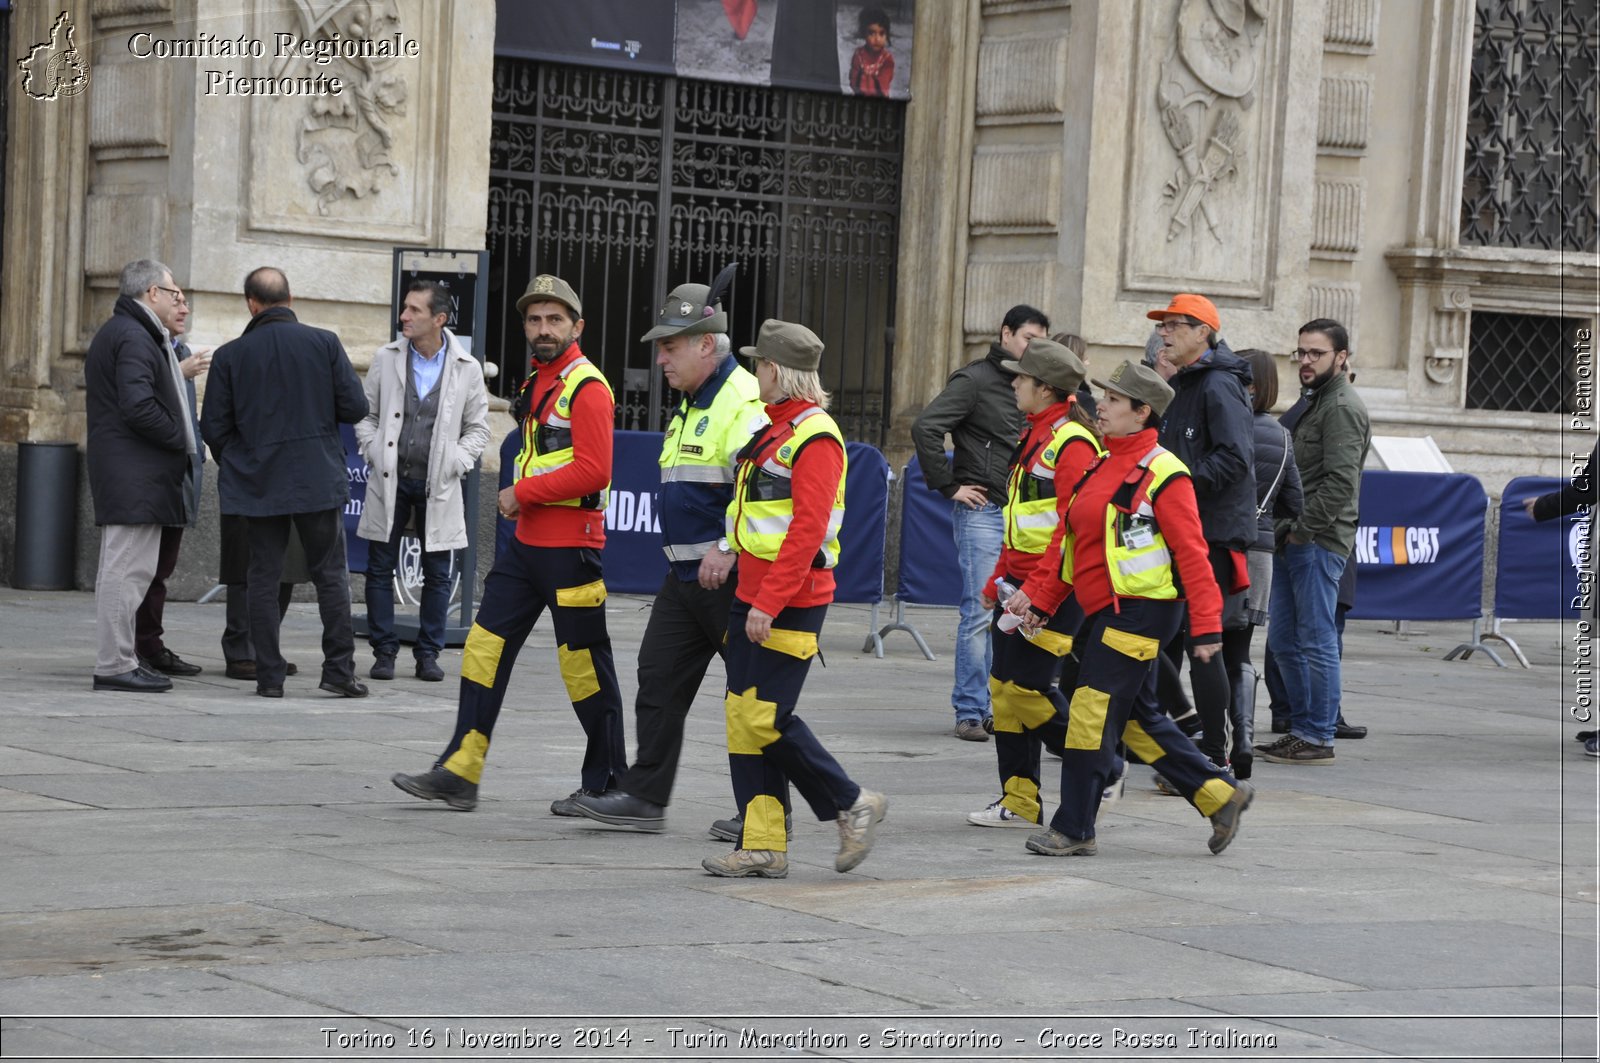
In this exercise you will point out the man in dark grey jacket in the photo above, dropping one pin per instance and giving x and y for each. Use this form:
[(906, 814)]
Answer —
[(274, 403), (1209, 426), (978, 409), (1330, 447)]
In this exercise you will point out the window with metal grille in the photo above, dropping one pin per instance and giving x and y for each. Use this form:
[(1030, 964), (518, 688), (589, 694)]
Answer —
[(1523, 362), (1531, 172)]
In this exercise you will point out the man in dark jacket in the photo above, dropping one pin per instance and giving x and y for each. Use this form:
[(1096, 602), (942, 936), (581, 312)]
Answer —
[(275, 401), (979, 411), (141, 441), (1208, 425)]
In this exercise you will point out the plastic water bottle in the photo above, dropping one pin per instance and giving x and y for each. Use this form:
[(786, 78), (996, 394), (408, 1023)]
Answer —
[(1008, 622)]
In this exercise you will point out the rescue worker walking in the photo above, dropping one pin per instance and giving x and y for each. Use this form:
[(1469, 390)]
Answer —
[(783, 522), (720, 410), (1057, 447), (1133, 535), (558, 498)]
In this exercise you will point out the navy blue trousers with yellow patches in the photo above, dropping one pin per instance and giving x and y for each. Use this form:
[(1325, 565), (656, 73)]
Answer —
[(768, 745), (1030, 709), (1116, 697), (525, 581)]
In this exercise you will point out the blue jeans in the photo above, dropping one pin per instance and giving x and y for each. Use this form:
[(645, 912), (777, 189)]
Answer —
[(410, 498), (979, 534), (1303, 637)]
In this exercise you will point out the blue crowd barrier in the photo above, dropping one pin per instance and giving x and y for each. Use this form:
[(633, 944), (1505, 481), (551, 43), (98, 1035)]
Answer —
[(1420, 546), (930, 574), (859, 576), (1538, 564), (634, 563), (506, 530), (356, 466)]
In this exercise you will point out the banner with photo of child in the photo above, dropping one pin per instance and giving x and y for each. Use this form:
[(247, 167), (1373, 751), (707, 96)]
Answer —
[(841, 46)]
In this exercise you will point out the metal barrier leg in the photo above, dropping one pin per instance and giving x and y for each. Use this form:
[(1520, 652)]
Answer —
[(874, 640), (900, 624), (1494, 632), (211, 595), (1464, 650)]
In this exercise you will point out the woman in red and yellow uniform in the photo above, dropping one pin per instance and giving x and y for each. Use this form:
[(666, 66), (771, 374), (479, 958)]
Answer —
[(783, 522), (1133, 554), (1057, 447)]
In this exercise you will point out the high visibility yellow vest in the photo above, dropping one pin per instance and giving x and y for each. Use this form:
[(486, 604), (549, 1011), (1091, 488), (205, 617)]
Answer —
[(698, 456), (1137, 557), (547, 431), (1031, 490), (763, 501)]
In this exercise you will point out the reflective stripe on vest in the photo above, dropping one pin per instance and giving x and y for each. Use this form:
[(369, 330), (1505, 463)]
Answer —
[(547, 432), (763, 503), (1031, 514), (1137, 571)]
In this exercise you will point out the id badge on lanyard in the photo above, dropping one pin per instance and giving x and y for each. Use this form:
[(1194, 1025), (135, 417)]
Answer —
[(1138, 533)]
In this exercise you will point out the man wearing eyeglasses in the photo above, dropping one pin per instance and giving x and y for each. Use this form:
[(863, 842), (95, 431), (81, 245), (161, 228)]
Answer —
[(1209, 425), (141, 443), (1330, 446)]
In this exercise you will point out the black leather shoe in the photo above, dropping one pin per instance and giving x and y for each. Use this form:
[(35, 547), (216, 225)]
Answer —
[(349, 688), (428, 670), (270, 692), (439, 785), (136, 681), (169, 663), (622, 810), (246, 670), (1348, 731), (382, 666)]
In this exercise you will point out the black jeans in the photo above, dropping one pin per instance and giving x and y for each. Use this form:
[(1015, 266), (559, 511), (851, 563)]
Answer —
[(686, 629), (322, 535)]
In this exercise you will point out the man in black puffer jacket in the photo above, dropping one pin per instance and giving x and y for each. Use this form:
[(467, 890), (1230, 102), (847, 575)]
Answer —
[(1208, 425)]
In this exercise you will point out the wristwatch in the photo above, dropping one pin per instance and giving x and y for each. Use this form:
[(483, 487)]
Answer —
[(722, 545)]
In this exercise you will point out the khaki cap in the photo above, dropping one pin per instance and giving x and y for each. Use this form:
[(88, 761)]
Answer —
[(787, 344), (1050, 362), (547, 287), (1138, 382), (685, 313)]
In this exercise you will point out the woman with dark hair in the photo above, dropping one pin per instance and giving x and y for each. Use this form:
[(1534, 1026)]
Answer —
[(1277, 495)]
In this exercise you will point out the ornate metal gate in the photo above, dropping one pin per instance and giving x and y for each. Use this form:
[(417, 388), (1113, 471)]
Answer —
[(627, 184)]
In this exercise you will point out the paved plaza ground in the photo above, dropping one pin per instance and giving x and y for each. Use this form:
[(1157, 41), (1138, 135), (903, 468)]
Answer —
[(205, 873)]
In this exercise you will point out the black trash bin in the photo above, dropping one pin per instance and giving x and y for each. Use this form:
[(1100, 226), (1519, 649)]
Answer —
[(47, 517)]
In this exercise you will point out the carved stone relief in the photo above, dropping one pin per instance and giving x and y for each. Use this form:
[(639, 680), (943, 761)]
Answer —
[(1352, 26), (1339, 300), (1203, 146), (1448, 331), (996, 285), (1016, 190), (1340, 205), (1021, 76), (357, 154), (1344, 111)]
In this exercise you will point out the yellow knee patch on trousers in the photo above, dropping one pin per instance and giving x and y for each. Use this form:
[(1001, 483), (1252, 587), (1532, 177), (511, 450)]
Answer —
[(763, 824), (586, 596), (1212, 795), (1021, 707), (1139, 647), (1053, 642), (752, 724), (801, 645), (1140, 744), (480, 658), (467, 760), (577, 671), (1086, 718)]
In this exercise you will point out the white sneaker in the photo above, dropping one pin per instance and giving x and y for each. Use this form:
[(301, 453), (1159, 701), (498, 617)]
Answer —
[(856, 827), (998, 815), (1113, 793)]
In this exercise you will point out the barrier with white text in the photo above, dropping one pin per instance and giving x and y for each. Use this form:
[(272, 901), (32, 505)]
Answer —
[(1544, 569), (1420, 546)]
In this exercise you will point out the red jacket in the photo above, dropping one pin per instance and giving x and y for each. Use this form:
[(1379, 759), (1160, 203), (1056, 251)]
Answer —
[(1177, 517), (539, 523), (772, 586), (1073, 461)]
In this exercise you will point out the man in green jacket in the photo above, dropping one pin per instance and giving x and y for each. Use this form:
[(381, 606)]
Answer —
[(1330, 446)]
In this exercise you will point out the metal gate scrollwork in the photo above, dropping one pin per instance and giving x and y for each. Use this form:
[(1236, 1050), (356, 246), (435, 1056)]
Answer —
[(627, 184)]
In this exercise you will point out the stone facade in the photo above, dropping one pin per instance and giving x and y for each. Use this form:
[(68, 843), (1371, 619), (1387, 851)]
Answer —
[(1252, 151)]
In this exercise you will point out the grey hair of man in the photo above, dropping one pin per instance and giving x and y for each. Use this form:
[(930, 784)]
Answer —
[(1152, 348), (724, 346), (141, 275)]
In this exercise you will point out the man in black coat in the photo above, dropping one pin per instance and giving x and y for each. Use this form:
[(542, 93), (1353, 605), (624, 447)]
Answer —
[(1209, 426), (141, 442), (274, 403)]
